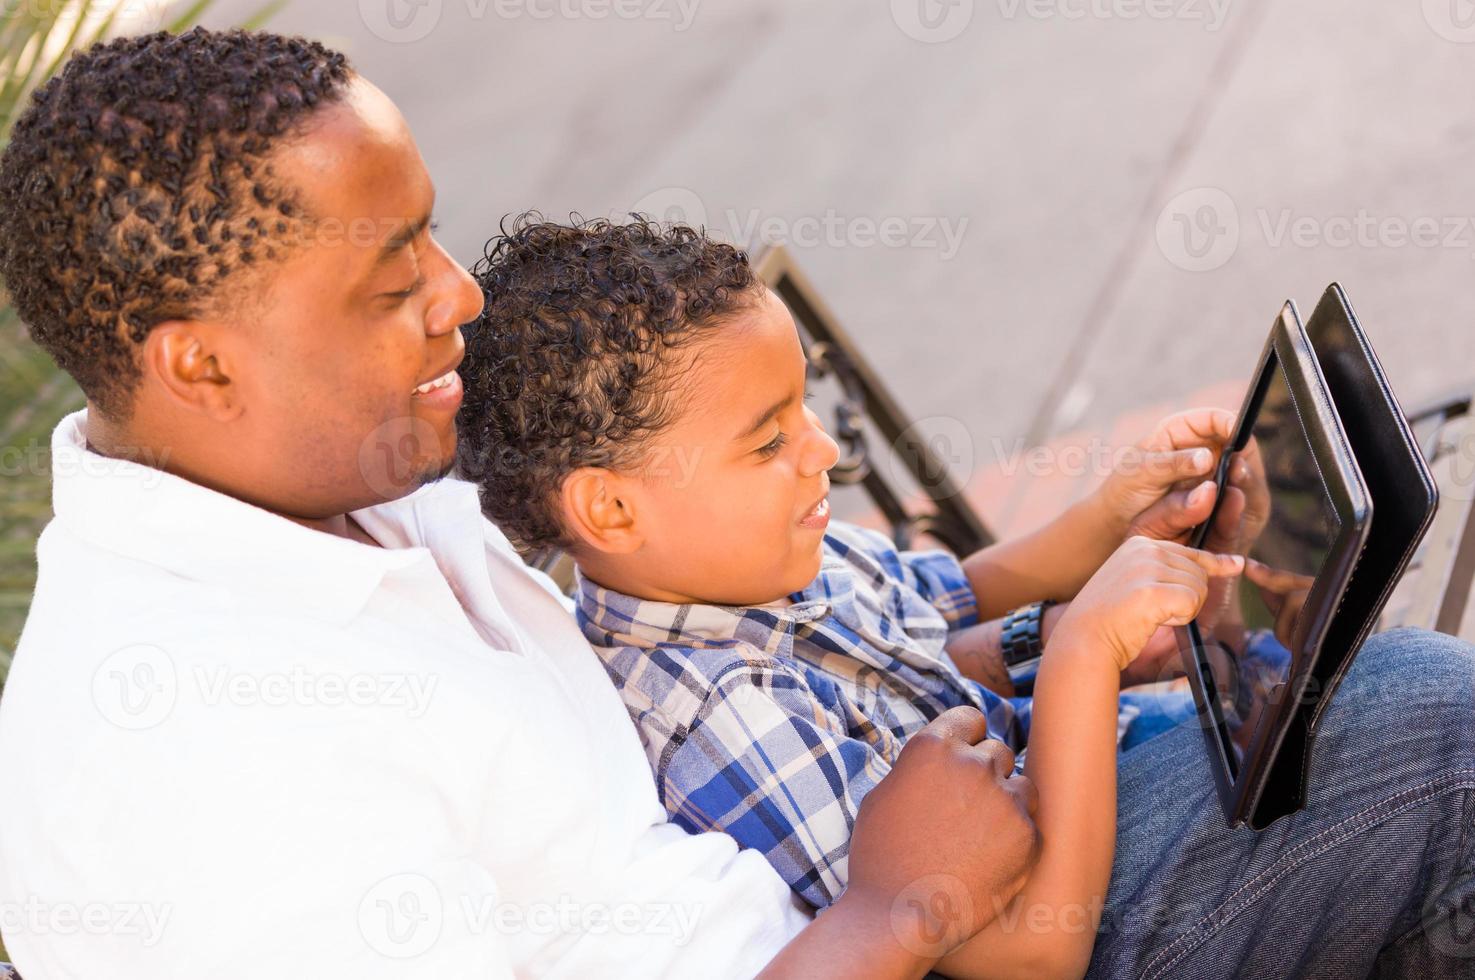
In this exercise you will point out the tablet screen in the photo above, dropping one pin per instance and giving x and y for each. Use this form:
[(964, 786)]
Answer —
[(1276, 512)]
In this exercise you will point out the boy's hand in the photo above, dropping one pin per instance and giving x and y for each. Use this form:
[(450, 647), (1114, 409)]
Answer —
[(1144, 585), (1163, 487)]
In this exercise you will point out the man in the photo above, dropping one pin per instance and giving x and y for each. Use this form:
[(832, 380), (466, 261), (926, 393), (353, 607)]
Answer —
[(274, 713), (278, 711)]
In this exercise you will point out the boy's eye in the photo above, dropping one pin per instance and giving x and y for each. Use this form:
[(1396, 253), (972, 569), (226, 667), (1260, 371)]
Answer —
[(770, 449), (407, 293)]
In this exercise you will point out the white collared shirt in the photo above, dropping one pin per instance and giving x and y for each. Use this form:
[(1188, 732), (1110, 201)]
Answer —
[(231, 746)]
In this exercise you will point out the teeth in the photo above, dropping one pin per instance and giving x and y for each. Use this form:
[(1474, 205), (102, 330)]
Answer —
[(821, 509), (440, 382)]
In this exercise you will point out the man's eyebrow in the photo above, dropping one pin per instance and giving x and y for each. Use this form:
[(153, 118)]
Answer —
[(766, 417), (400, 238)]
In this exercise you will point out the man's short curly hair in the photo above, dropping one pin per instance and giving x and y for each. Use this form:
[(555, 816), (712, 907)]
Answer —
[(564, 366), (136, 185)]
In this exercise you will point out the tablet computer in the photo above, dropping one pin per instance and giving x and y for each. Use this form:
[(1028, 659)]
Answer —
[(1402, 488), (1298, 507), (1403, 498)]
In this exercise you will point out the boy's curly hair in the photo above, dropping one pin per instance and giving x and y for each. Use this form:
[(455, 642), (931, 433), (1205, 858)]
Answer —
[(564, 366), (136, 186)]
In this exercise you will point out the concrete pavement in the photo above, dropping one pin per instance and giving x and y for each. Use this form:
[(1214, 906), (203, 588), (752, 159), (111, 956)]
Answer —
[(1038, 216)]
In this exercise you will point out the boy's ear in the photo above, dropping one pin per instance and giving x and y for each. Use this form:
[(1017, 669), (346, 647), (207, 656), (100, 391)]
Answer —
[(599, 510)]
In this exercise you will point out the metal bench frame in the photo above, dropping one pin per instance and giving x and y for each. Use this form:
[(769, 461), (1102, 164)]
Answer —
[(945, 514)]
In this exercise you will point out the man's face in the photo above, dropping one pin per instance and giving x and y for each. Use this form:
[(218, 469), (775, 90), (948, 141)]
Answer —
[(345, 360), (734, 504)]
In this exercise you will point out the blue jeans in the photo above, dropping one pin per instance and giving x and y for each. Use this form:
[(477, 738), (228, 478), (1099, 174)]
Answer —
[(1376, 877)]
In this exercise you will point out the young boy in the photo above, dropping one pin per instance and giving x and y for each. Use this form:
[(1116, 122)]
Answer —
[(635, 396)]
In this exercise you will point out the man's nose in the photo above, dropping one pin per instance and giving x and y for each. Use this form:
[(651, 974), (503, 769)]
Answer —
[(458, 301)]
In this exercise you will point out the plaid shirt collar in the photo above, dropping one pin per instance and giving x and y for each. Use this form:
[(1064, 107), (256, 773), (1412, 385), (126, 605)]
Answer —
[(645, 623)]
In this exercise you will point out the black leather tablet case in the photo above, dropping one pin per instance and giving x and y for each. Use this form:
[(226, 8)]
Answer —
[(1404, 498)]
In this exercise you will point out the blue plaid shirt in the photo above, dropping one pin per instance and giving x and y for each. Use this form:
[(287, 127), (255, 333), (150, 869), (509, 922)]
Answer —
[(772, 723)]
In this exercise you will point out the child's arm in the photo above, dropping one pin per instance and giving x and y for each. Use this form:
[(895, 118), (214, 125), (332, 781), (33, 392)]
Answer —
[(1155, 489), (1050, 929)]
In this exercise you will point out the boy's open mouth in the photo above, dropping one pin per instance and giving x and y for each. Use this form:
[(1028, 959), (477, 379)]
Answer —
[(818, 516)]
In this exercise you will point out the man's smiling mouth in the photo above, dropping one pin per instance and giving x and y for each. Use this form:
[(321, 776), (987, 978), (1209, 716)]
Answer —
[(444, 381)]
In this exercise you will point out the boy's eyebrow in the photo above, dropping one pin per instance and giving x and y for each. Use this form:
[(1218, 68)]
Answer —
[(766, 417)]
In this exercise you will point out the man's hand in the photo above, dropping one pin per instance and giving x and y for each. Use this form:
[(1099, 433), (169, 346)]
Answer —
[(1163, 487), (1143, 586), (947, 839), (940, 847)]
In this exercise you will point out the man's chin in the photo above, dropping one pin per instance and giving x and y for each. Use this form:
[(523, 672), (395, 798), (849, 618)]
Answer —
[(433, 472)]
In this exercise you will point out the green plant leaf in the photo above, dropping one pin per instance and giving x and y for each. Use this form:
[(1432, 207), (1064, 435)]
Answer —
[(266, 13), (187, 19)]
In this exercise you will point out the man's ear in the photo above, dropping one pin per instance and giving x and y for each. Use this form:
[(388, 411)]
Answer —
[(185, 362), (599, 510)]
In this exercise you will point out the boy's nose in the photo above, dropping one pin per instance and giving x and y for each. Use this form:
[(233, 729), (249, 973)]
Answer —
[(821, 454)]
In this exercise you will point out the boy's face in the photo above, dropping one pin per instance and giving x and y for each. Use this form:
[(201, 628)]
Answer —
[(732, 503)]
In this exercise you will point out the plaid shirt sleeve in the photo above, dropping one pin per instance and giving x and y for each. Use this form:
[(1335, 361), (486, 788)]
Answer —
[(767, 762), (937, 576)]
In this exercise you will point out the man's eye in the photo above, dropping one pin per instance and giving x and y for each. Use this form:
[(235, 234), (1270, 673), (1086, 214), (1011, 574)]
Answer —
[(770, 450)]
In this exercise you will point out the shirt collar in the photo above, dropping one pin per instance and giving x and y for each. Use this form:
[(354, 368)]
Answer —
[(149, 515), (629, 621)]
